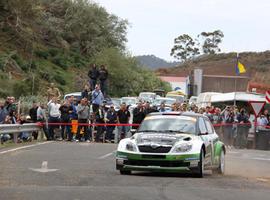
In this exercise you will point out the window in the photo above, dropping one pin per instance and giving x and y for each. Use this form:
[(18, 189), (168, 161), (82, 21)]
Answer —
[(202, 126), (209, 127)]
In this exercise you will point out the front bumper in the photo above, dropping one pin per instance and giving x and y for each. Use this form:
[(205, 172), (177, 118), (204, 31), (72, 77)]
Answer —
[(156, 162)]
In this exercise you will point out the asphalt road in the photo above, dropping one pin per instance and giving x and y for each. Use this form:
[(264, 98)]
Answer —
[(87, 171)]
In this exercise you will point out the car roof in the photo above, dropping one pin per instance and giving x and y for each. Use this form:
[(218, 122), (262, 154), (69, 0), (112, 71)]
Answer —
[(164, 98), (189, 114)]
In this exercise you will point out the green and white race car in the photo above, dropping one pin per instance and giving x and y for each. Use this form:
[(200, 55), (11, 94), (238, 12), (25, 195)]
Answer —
[(172, 142)]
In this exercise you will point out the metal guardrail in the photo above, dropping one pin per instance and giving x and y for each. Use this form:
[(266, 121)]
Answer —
[(15, 129)]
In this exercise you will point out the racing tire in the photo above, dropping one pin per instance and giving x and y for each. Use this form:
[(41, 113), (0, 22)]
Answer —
[(125, 172), (221, 165), (200, 169)]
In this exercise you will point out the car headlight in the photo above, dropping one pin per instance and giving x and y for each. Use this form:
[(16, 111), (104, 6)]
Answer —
[(184, 147), (131, 147)]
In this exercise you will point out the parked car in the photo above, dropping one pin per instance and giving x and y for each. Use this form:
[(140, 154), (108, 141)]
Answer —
[(147, 96), (192, 100), (172, 142), (168, 101)]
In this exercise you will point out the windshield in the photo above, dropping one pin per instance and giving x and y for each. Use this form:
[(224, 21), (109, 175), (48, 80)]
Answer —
[(177, 98), (128, 101), (171, 124), (116, 102), (147, 96), (166, 101)]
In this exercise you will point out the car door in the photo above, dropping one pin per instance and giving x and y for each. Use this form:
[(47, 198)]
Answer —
[(206, 139), (213, 138)]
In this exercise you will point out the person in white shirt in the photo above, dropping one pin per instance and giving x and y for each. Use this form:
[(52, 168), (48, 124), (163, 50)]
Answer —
[(262, 122), (54, 116)]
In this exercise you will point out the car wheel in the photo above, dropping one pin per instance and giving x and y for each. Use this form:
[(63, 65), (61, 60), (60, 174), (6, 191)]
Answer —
[(125, 172), (200, 170), (221, 166)]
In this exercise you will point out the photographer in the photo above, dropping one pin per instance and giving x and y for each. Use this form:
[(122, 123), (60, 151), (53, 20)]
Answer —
[(83, 110), (243, 128), (228, 119), (138, 115)]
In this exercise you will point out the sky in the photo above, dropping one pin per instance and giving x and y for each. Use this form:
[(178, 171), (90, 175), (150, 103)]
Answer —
[(155, 23)]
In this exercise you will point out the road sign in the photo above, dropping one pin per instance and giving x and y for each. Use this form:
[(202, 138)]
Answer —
[(257, 106), (267, 96)]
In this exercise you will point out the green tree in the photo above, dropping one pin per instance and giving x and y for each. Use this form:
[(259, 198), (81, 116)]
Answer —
[(184, 48), (211, 41)]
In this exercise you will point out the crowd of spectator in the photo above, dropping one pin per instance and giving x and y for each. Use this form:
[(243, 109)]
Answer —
[(231, 124)]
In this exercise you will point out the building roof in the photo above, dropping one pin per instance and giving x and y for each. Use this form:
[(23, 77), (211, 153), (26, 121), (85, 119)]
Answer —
[(173, 78)]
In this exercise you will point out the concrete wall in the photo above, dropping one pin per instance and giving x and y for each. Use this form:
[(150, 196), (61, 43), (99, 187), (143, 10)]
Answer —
[(212, 83)]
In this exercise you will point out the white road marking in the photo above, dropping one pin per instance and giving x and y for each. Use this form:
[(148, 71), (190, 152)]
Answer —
[(44, 168), (233, 152), (262, 180), (257, 158), (23, 147), (106, 155)]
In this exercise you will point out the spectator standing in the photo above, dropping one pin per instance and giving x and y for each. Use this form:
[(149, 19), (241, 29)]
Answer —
[(42, 118), (97, 98), (93, 74), (65, 111), (54, 116), (242, 129), (110, 118), (228, 119), (123, 116), (83, 111), (33, 117), (266, 114), (217, 120), (208, 114), (103, 76), (138, 115), (3, 112), (10, 107), (100, 119), (148, 109), (162, 107), (262, 122), (86, 93)]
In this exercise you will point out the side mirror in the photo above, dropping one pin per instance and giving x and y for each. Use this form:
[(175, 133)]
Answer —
[(133, 131)]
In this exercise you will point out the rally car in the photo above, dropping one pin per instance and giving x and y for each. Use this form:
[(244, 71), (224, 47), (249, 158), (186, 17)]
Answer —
[(172, 142)]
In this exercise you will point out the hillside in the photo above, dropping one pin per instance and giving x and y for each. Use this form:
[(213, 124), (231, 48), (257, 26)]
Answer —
[(43, 41), (153, 62), (257, 65)]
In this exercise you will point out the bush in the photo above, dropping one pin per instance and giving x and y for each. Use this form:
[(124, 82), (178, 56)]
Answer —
[(53, 52), (4, 93), (42, 54), (60, 61), (60, 79), (18, 60), (21, 89), (46, 76)]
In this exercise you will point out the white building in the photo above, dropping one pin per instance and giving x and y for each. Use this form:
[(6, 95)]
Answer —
[(177, 83)]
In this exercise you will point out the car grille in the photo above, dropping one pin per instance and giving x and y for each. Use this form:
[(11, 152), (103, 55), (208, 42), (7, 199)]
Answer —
[(149, 149), (159, 163)]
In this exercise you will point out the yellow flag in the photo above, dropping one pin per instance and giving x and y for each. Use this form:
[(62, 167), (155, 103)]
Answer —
[(241, 68)]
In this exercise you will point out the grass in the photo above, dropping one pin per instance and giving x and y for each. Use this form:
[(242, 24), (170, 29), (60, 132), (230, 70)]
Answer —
[(10, 144)]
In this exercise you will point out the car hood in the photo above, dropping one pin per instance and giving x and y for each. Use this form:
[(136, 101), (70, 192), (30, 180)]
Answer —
[(161, 138)]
